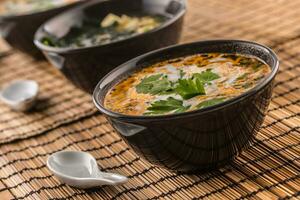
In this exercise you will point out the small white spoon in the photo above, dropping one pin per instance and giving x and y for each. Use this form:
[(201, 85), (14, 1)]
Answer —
[(80, 169), (20, 95)]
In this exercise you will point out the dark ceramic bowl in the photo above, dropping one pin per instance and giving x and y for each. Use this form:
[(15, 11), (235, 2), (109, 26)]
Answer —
[(19, 30), (86, 66), (196, 140)]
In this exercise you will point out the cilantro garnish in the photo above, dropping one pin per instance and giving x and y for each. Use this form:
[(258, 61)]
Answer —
[(48, 41), (256, 66), (166, 106), (206, 76), (210, 102), (154, 84), (189, 88), (186, 88), (243, 76), (247, 85)]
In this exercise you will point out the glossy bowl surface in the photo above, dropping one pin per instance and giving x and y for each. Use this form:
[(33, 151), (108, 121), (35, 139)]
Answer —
[(18, 30), (87, 65), (195, 140)]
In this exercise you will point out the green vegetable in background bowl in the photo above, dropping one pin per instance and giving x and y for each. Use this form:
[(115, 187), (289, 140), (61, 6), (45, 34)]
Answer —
[(111, 28)]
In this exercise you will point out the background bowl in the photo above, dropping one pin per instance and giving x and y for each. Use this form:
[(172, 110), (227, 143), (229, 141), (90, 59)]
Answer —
[(19, 30), (85, 66), (195, 140)]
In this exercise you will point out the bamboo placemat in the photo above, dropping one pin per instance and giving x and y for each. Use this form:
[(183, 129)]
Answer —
[(58, 103), (269, 169)]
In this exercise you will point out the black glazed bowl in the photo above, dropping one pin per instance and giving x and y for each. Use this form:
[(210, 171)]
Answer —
[(86, 66), (195, 140), (19, 30)]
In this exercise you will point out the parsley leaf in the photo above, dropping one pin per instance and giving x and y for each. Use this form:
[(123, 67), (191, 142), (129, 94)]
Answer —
[(247, 62), (189, 88), (243, 76), (154, 84), (206, 76), (165, 106), (256, 66), (48, 41), (247, 85), (210, 102)]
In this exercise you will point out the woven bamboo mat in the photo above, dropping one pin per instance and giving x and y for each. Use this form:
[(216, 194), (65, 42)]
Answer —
[(59, 102), (269, 169)]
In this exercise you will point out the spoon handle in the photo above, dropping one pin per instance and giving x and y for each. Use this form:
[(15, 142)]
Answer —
[(111, 178)]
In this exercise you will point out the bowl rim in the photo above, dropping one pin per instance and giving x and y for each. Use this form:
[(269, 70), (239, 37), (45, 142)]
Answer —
[(206, 110), (34, 13), (68, 50)]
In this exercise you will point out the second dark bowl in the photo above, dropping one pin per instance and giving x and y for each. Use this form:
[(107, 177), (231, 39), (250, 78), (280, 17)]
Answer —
[(19, 30), (196, 140), (85, 66)]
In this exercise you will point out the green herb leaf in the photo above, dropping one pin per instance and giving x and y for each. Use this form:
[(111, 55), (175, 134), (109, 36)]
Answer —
[(247, 62), (165, 106), (183, 109), (210, 102), (256, 66), (189, 88), (206, 76), (48, 41), (247, 85), (243, 76), (259, 77), (154, 84)]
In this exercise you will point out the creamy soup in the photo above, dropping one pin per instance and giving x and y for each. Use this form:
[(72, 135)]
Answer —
[(10, 7), (186, 84)]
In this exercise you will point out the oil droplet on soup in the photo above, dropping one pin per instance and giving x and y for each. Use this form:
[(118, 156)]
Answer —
[(186, 84)]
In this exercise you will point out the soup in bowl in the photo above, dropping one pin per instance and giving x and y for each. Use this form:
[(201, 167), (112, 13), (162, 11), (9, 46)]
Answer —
[(111, 28), (186, 83), (87, 42), (193, 106)]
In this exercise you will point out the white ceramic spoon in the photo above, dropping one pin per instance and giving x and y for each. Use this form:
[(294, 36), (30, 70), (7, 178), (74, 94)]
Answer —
[(20, 95), (80, 169)]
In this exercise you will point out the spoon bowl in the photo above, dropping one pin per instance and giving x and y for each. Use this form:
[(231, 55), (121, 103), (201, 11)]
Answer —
[(80, 169), (20, 95)]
